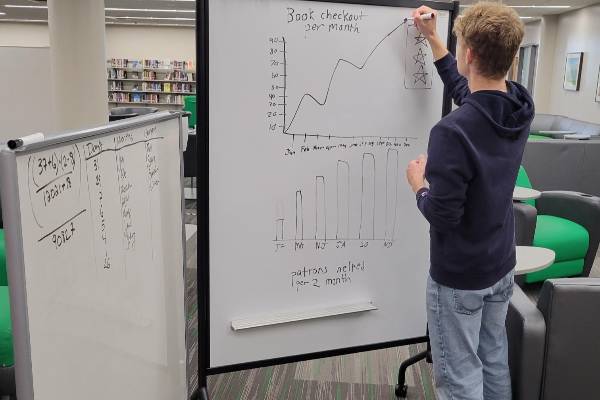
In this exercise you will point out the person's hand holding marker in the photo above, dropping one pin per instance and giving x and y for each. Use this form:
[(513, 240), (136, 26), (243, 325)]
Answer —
[(425, 21), (415, 173)]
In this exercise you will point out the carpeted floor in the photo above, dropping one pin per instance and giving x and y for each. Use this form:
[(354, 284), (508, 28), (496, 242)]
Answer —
[(364, 376)]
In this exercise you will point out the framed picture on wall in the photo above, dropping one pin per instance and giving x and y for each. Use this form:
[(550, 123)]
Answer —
[(598, 87), (573, 66)]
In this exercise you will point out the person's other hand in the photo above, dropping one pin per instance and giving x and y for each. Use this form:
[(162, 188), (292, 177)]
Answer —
[(426, 26), (415, 173)]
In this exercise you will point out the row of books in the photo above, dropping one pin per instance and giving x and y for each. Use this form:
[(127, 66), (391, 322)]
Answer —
[(150, 64), (178, 87), (145, 98), (180, 76), (115, 73)]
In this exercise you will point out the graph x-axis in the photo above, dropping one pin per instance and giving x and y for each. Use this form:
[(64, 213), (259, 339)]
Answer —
[(323, 136)]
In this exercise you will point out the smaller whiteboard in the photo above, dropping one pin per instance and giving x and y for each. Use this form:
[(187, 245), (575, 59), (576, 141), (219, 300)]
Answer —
[(96, 261)]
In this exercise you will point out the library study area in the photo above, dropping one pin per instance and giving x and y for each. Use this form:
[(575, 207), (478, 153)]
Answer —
[(299, 199)]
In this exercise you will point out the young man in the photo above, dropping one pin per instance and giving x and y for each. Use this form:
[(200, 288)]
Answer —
[(473, 159)]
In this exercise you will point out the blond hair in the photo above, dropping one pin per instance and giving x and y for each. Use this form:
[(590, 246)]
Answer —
[(494, 33)]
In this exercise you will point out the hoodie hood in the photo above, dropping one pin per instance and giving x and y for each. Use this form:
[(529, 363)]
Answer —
[(509, 113)]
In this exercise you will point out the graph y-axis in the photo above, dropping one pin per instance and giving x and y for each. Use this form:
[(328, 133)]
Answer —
[(284, 85)]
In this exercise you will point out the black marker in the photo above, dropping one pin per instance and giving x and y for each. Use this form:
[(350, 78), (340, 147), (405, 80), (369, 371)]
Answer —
[(25, 141)]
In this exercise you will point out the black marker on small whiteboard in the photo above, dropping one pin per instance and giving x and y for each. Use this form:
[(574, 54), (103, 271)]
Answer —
[(423, 16), (25, 141)]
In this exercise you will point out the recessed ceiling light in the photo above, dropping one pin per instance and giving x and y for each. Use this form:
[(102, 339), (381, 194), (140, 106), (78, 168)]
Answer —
[(470, 5), (110, 8), (154, 18), (148, 10), (118, 23), (23, 6), (2, 13), (526, 17), (533, 6), (22, 20)]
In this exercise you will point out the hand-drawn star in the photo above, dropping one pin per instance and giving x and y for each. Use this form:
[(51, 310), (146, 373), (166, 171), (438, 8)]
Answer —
[(421, 77), (420, 40), (419, 57)]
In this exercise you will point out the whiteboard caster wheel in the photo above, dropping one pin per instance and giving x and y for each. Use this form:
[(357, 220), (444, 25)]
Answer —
[(401, 392)]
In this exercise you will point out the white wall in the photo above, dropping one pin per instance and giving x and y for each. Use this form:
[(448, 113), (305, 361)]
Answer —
[(532, 33), (545, 64), (162, 43), (168, 43), (577, 31), (24, 35)]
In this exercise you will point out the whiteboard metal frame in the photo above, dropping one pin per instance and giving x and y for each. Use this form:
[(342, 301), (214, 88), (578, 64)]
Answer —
[(14, 235), (203, 201)]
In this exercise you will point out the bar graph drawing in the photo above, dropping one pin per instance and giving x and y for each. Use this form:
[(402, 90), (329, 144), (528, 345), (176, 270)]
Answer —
[(346, 207), (299, 217), (343, 199), (367, 198)]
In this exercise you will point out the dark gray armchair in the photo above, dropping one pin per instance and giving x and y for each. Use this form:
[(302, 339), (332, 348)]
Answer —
[(7, 383), (525, 223), (554, 350)]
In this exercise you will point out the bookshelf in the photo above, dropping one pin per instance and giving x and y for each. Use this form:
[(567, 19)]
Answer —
[(150, 82)]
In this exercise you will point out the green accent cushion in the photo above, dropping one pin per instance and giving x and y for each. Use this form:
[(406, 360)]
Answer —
[(3, 278), (557, 270), (523, 181), (6, 338), (569, 240), (523, 178), (533, 137)]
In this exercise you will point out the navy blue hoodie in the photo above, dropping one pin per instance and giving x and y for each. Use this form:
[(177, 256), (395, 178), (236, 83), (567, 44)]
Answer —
[(474, 156)]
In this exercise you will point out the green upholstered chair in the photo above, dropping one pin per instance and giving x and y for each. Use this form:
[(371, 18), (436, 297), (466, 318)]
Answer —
[(7, 379), (569, 224)]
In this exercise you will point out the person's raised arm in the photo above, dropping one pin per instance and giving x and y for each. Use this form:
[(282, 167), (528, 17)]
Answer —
[(457, 85), (428, 27)]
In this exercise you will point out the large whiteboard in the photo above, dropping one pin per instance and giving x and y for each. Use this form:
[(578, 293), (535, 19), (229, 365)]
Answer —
[(315, 110), (95, 239)]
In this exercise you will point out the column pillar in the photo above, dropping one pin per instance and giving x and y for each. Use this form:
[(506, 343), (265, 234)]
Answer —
[(78, 63)]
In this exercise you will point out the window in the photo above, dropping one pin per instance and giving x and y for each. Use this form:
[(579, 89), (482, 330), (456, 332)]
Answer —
[(527, 66)]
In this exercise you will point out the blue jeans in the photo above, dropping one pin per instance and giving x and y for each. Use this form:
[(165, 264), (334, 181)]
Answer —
[(468, 341)]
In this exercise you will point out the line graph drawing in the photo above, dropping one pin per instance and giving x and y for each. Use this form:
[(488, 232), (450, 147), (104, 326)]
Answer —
[(337, 65), (357, 225), (417, 76)]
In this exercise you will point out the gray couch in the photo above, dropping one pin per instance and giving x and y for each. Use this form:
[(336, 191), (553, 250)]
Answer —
[(564, 165), (550, 122), (554, 350), (118, 113)]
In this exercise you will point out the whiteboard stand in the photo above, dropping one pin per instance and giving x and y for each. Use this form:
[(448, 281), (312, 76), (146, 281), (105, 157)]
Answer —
[(206, 197), (105, 288)]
